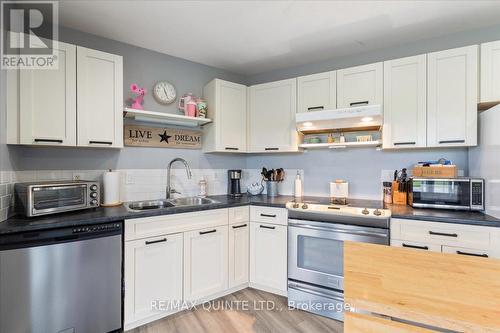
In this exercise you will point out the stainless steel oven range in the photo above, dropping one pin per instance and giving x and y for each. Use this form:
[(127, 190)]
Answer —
[(316, 235)]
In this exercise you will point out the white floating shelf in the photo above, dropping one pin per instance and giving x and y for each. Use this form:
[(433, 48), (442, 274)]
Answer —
[(340, 145), (164, 118)]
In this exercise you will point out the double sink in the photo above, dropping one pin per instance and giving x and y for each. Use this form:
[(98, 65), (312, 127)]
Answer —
[(168, 203)]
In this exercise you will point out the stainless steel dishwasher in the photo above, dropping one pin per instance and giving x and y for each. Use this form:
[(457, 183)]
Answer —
[(66, 280)]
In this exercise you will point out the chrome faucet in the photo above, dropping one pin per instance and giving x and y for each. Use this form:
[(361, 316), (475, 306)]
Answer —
[(170, 190)]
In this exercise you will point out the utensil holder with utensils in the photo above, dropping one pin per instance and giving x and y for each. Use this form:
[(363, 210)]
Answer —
[(272, 188)]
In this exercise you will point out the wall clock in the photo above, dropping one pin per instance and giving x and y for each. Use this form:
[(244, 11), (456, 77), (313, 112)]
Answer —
[(164, 92)]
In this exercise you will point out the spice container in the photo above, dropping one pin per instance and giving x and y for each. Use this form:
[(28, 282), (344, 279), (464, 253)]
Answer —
[(387, 192)]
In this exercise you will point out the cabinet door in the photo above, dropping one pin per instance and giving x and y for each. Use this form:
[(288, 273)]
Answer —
[(153, 271), (239, 250), (268, 257), (205, 263), (272, 117), (405, 106), (47, 102), (317, 92), (100, 98), (361, 85), (452, 97), (490, 72)]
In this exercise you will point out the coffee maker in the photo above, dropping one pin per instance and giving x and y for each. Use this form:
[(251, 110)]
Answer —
[(233, 183)]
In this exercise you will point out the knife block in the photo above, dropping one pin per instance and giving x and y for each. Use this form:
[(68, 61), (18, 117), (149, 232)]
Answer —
[(398, 198)]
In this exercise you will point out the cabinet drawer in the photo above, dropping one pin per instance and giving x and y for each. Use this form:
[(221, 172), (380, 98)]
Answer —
[(442, 233), (239, 214), (167, 224), (269, 215), (467, 252), (416, 245)]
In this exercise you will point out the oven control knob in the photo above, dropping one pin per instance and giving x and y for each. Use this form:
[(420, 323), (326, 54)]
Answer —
[(377, 212), (296, 205), (93, 194), (93, 202), (304, 206), (365, 211), (93, 187)]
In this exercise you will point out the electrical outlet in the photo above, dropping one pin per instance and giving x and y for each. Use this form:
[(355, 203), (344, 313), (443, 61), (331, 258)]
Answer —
[(77, 176), (129, 178)]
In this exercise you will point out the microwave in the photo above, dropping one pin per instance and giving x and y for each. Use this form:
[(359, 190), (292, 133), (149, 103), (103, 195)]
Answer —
[(43, 198), (453, 193)]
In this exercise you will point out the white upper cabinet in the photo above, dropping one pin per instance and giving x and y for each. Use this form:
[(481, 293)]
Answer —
[(405, 106), (227, 107), (271, 117), (361, 85), (100, 98), (452, 97), (317, 92), (47, 102), (490, 72)]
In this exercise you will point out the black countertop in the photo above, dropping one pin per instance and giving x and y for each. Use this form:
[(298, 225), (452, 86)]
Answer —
[(113, 214)]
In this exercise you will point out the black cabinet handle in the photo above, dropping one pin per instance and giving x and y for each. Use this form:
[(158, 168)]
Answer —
[(416, 246), (49, 140), (239, 226), (268, 215), (208, 232), (271, 148), (442, 234), (404, 143), (231, 148), (267, 227), (312, 108), (452, 141), (484, 255), (156, 241), (101, 142), (359, 103)]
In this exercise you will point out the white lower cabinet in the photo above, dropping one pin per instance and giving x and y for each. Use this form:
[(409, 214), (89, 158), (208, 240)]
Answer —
[(268, 257), (153, 272), (205, 263), (467, 240), (239, 254)]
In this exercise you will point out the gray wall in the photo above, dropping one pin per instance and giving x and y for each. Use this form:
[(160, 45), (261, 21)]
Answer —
[(143, 67)]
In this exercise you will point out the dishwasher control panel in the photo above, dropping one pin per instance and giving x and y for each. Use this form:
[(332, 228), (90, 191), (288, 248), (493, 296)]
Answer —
[(97, 228)]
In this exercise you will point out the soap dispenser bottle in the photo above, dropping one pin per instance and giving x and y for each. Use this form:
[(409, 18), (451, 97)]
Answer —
[(298, 185)]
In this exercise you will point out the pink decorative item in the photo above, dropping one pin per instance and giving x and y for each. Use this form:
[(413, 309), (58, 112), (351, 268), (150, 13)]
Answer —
[(191, 109), (138, 100), (183, 102)]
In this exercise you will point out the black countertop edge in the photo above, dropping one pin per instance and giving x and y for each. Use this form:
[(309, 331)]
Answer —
[(112, 214)]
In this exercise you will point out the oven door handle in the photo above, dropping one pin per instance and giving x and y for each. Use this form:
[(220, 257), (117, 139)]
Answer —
[(350, 232), (310, 291)]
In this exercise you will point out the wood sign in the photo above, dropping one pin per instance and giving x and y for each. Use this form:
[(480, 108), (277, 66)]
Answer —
[(140, 136)]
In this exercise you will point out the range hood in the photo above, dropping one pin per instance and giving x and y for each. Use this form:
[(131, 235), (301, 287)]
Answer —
[(354, 118)]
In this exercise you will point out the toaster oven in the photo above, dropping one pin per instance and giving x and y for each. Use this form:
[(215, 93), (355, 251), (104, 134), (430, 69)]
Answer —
[(43, 198)]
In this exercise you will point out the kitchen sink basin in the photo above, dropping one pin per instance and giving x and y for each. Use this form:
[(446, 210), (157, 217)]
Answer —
[(166, 203), (149, 205), (192, 201)]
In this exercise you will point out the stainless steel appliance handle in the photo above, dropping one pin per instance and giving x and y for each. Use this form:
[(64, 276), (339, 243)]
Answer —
[(53, 188), (322, 294), (337, 230)]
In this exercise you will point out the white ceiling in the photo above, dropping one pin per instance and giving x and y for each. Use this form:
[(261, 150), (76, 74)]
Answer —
[(250, 37)]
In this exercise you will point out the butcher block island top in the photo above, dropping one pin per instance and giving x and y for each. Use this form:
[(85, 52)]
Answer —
[(446, 291)]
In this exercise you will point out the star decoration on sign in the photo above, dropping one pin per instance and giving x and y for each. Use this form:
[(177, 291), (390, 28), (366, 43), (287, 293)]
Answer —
[(164, 137)]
